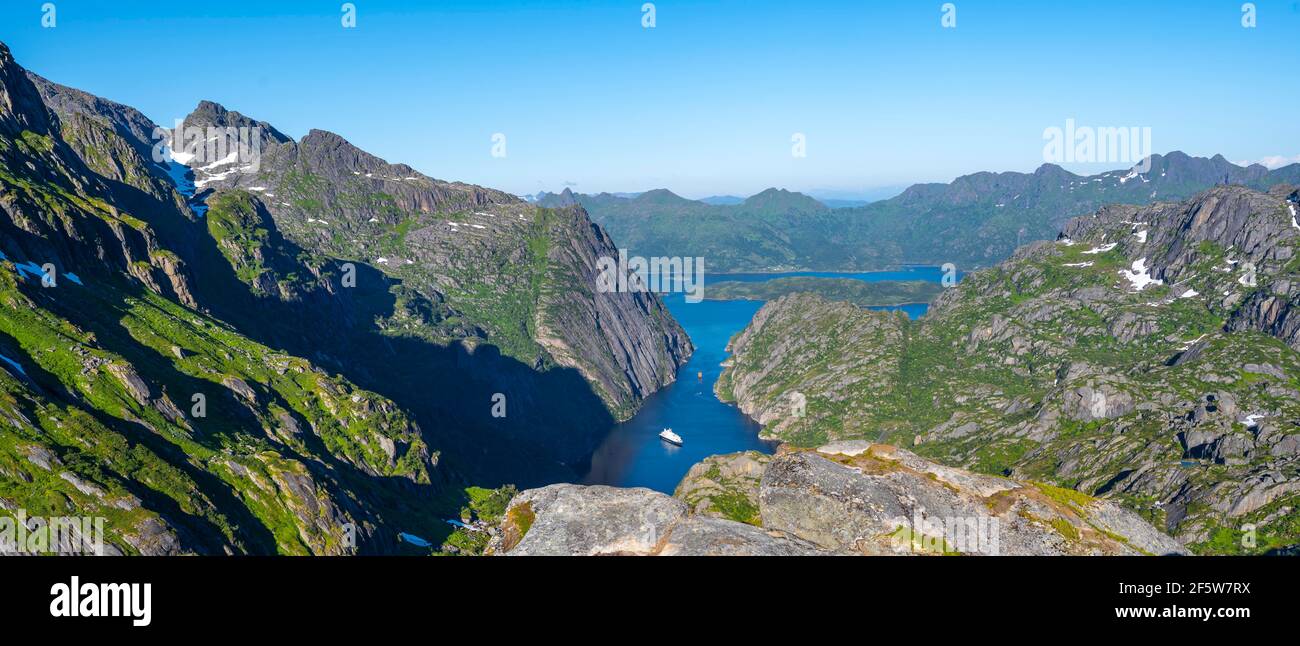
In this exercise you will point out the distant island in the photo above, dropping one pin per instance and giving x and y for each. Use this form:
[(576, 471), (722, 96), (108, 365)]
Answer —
[(849, 290)]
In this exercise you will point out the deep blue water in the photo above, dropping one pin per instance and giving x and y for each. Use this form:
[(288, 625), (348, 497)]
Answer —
[(632, 455)]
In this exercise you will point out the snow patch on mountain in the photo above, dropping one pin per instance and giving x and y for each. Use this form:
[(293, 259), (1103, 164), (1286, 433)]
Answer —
[(1101, 249), (1140, 277)]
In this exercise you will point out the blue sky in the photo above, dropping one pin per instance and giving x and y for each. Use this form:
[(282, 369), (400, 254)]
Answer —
[(708, 100)]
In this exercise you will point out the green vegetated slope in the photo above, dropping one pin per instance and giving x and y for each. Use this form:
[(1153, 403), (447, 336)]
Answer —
[(860, 293), (1064, 364), (225, 373), (102, 421), (102, 367), (975, 221)]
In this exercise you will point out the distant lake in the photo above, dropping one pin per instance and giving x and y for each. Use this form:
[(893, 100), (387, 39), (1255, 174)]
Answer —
[(632, 455), (914, 272)]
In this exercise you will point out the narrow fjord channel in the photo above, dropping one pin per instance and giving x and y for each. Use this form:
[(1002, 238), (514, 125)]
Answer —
[(633, 455)]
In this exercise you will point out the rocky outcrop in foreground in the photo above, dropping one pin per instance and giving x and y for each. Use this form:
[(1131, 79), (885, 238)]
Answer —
[(849, 498)]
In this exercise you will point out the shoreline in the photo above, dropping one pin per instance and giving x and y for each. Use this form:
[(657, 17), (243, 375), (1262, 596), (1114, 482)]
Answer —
[(764, 300), (770, 272)]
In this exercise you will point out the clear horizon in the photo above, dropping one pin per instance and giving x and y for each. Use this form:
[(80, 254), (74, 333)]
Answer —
[(707, 102)]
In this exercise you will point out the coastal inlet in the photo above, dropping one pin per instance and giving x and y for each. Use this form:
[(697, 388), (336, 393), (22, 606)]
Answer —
[(634, 455)]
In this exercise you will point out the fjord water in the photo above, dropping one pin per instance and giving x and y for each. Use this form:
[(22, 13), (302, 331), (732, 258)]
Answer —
[(632, 455)]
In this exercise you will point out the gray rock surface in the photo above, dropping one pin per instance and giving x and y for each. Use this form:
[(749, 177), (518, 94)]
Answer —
[(706, 536), (852, 498), (572, 520), (848, 498)]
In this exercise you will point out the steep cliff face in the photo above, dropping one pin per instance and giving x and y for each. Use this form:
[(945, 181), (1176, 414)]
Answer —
[(523, 277), (1148, 356), (851, 498)]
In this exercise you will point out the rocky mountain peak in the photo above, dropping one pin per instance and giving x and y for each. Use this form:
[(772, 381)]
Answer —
[(212, 114), (1181, 167), (1052, 170), (782, 200), (124, 120), (331, 150), (660, 196), (319, 137), (21, 107), (1258, 228), (563, 199)]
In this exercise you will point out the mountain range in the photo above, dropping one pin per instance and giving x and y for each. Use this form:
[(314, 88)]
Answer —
[(975, 221)]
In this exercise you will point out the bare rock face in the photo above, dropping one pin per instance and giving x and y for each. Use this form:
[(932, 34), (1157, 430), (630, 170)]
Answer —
[(847, 498), (573, 520), (875, 499), (706, 536), (725, 486), (1096, 402)]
